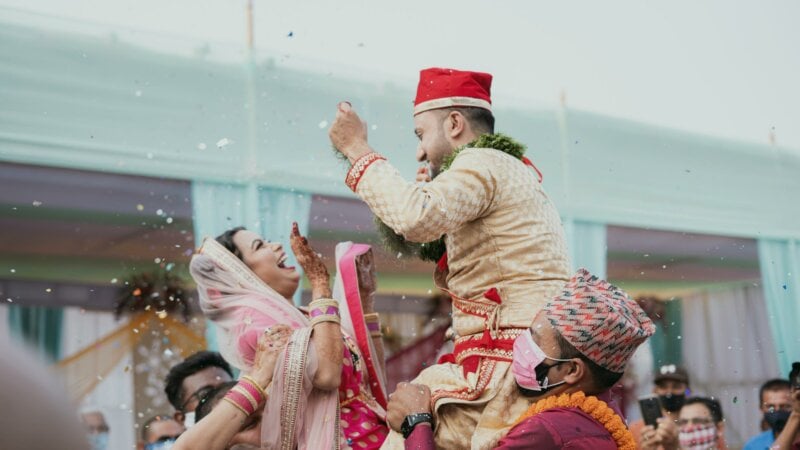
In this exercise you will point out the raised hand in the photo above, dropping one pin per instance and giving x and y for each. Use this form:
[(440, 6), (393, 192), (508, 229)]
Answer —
[(367, 281), (311, 263), (270, 347), (348, 133), (423, 175)]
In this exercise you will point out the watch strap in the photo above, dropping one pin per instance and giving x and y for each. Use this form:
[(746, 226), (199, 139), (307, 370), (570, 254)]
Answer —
[(412, 420)]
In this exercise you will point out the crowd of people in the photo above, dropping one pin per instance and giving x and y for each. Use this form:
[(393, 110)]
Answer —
[(536, 348)]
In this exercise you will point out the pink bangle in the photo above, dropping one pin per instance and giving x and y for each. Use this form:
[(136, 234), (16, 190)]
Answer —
[(246, 396), (359, 168)]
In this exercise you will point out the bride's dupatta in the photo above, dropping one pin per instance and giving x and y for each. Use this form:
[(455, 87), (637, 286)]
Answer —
[(346, 291), (242, 306)]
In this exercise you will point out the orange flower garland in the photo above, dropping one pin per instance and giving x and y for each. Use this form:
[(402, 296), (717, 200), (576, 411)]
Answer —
[(592, 406)]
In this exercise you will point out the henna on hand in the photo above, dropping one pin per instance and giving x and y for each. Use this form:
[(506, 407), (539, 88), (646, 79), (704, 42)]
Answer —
[(310, 261)]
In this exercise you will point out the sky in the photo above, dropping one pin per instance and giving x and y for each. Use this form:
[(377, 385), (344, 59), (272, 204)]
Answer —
[(720, 68)]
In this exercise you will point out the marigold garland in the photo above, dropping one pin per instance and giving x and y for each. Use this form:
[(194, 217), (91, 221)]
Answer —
[(592, 406)]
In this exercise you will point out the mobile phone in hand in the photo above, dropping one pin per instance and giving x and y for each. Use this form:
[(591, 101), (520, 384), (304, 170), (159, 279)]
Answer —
[(651, 410)]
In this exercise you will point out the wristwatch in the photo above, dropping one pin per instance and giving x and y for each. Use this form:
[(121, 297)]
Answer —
[(412, 420)]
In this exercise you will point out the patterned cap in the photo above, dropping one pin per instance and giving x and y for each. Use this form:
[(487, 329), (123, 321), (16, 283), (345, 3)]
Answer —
[(599, 320), (445, 88)]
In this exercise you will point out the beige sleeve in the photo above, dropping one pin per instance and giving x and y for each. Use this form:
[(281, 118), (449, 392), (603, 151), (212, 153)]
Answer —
[(423, 213)]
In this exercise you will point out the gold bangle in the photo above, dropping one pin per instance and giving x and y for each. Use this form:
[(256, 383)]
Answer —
[(372, 317), (323, 302), (255, 384), (236, 406), (325, 318)]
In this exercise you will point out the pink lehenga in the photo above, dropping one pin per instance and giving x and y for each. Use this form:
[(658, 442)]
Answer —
[(296, 414)]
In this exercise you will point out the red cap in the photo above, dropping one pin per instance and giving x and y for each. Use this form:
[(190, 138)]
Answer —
[(445, 88)]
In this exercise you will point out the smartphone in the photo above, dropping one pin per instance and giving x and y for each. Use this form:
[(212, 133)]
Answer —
[(651, 409)]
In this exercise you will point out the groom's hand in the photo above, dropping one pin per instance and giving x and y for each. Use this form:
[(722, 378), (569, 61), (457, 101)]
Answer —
[(349, 133)]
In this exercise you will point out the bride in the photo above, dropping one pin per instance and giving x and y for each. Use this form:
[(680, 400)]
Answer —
[(325, 389)]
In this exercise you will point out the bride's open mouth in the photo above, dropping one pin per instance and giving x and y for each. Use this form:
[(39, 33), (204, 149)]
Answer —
[(282, 263)]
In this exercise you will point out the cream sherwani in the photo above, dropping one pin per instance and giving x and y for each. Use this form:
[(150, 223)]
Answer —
[(506, 256)]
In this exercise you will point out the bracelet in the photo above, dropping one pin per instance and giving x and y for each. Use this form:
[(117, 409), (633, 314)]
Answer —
[(324, 310), (247, 396), (373, 322), (359, 168)]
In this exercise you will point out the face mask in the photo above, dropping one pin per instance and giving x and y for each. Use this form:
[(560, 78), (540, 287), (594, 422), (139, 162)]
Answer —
[(698, 437), (98, 441), (188, 419), (163, 445), (527, 364), (777, 420), (672, 402)]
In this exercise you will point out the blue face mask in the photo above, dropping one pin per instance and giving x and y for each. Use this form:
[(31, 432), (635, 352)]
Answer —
[(98, 441), (163, 445)]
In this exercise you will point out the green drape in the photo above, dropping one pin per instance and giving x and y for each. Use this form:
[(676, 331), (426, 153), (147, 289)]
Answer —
[(666, 343), (39, 326), (779, 261), (587, 245)]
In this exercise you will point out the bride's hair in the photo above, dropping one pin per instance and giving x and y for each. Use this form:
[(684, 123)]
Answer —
[(226, 240)]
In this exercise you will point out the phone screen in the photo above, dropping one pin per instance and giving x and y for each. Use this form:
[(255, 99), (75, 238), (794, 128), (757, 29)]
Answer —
[(651, 410)]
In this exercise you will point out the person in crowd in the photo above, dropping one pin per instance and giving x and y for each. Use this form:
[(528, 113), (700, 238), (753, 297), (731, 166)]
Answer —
[(671, 385), (789, 437), (701, 424), (160, 433), (94, 421), (566, 362), (38, 414), (231, 413), (483, 202), (245, 287), (776, 406), (188, 380)]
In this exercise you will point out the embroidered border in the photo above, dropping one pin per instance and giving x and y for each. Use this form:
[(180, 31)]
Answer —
[(466, 394), (359, 168)]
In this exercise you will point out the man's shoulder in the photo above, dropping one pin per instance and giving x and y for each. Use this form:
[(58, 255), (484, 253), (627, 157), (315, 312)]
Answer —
[(760, 441)]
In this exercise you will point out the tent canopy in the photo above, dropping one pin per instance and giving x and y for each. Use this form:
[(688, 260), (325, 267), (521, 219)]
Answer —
[(101, 104)]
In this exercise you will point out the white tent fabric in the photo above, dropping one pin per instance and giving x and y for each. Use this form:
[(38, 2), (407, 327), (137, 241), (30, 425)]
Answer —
[(587, 246), (114, 395), (729, 353)]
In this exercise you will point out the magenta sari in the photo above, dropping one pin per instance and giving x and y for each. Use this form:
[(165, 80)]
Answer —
[(296, 414)]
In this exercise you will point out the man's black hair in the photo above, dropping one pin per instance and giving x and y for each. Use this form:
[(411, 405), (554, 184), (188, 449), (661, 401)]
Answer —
[(190, 366), (603, 378), (776, 384), (210, 400), (481, 120), (713, 406), (226, 240)]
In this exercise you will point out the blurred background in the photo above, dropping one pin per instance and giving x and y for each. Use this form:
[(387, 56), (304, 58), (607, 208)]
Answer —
[(129, 130)]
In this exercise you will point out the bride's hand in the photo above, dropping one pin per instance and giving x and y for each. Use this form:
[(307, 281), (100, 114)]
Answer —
[(311, 263), (367, 283), (270, 347)]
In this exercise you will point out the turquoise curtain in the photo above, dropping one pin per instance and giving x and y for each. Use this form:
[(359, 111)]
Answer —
[(666, 343), (268, 211), (587, 245), (39, 326), (780, 274)]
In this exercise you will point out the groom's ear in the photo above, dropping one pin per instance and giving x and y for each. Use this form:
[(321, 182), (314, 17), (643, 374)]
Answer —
[(455, 124)]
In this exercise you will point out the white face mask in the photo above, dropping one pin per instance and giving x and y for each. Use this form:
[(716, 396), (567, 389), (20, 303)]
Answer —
[(188, 419)]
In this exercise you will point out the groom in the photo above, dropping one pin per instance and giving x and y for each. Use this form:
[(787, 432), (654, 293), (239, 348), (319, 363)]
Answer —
[(506, 255)]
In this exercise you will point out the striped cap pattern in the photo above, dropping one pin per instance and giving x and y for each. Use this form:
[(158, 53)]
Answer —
[(599, 320)]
